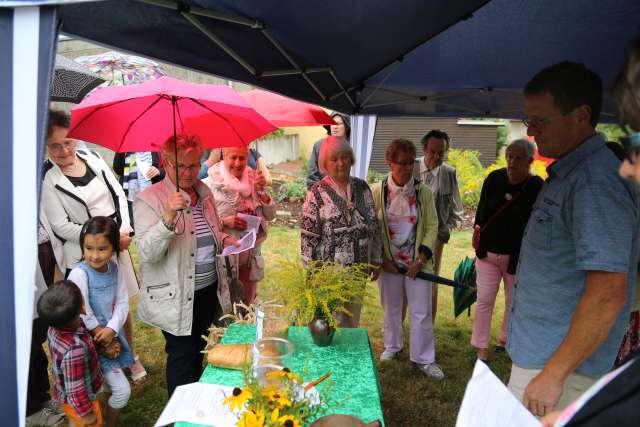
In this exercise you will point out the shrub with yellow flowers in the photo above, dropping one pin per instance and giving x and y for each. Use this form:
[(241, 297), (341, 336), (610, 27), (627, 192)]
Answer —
[(280, 400)]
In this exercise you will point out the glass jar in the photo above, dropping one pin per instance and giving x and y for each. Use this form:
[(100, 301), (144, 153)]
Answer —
[(272, 351), (271, 321)]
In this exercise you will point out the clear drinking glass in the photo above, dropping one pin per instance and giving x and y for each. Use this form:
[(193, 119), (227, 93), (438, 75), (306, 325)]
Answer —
[(271, 321), (272, 351)]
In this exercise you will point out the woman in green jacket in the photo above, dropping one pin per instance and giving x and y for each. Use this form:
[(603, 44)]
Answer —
[(408, 221)]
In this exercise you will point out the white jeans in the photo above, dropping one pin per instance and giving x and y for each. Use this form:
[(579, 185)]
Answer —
[(116, 382), (574, 386)]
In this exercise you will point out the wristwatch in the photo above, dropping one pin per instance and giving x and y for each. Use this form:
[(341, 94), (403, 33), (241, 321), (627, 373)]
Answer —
[(169, 227)]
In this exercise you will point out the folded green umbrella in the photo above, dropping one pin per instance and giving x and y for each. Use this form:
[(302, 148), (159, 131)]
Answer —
[(464, 297)]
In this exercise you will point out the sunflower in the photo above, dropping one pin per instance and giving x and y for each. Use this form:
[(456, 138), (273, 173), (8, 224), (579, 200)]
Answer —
[(289, 421), (238, 398), (251, 419)]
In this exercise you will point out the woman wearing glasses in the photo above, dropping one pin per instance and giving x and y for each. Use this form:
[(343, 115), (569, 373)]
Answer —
[(78, 185), (408, 223), (178, 236)]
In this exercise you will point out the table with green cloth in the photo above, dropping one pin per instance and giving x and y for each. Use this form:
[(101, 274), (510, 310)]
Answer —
[(349, 358)]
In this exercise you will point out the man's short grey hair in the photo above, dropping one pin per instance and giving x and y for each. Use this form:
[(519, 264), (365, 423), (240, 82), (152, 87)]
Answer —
[(528, 146), (331, 145)]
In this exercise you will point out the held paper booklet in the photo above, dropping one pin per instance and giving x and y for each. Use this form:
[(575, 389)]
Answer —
[(489, 403)]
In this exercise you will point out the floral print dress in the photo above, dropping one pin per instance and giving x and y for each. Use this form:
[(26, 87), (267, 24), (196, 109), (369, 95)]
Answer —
[(333, 229)]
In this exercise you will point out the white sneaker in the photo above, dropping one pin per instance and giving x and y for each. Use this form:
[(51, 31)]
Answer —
[(388, 355), (431, 370)]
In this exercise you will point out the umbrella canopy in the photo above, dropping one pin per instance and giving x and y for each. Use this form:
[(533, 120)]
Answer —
[(463, 298), (141, 117), (286, 112), (71, 81), (118, 69)]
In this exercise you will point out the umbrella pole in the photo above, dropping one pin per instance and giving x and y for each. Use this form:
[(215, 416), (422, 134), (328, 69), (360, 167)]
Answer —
[(175, 144)]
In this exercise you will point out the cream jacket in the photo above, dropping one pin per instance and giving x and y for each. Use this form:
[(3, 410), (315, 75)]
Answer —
[(67, 212), (167, 259)]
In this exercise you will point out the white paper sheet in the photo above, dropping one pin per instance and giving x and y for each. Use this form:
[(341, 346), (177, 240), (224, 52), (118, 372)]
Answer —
[(248, 241), (143, 168), (488, 403), (198, 403), (253, 222)]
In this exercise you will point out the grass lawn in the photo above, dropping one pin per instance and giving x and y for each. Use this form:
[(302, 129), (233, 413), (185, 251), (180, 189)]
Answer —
[(408, 398)]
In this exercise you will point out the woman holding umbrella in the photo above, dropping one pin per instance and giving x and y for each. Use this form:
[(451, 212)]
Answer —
[(408, 222), (178, 235)]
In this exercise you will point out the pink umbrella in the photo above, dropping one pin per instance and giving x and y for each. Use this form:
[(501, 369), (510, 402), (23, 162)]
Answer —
[(141, 117), (286, 112)]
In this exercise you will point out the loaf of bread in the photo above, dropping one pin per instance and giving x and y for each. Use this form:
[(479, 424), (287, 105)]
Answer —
[(230, 356)]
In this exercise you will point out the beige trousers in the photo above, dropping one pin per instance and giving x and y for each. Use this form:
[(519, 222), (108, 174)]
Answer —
[(575, 385)]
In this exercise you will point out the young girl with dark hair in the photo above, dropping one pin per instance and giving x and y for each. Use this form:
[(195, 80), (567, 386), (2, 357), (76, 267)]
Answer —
[(106, 305)]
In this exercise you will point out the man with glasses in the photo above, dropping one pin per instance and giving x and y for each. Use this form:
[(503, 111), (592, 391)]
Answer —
[(442, 180), (579, 253)]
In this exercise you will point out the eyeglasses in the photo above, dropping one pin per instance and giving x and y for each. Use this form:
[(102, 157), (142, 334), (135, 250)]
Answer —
[(182, 168), (539, 123), (67, 145)]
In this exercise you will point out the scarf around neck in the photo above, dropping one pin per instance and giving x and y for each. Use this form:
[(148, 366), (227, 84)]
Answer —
[(221, 176)]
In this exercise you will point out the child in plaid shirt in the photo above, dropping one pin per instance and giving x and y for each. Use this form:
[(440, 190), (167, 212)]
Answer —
[(74, 361)]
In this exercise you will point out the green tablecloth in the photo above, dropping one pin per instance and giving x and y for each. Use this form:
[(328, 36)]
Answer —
[(349, 358)]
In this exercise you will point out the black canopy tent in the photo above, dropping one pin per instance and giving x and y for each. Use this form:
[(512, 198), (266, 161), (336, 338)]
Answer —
[(434, 58)]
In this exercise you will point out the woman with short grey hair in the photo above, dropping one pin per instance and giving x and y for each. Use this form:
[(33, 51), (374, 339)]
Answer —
[(528, 147), (505, 205), (178, 236), (338, 217)]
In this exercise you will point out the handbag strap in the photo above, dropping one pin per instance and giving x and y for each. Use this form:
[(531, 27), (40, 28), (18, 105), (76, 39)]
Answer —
[(504, 206)]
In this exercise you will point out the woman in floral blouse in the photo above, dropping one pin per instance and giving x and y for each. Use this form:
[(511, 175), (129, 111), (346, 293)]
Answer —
[(338, 217), (408, 222)]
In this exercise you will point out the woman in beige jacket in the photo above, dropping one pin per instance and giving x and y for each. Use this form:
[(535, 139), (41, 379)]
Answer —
[(179, 236)]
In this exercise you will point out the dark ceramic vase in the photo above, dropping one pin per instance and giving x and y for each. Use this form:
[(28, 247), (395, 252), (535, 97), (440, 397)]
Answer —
[(321, 332)]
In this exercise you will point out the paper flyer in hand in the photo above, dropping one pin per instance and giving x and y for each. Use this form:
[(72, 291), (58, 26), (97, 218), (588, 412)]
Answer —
[(198, 403), (253, 222), (248, 241), (488, 402)]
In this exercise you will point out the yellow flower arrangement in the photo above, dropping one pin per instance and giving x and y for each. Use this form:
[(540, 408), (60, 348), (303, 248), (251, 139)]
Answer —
[(282, 402)]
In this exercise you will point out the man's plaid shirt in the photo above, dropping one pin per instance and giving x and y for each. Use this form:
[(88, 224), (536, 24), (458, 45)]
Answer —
[(75, 367)]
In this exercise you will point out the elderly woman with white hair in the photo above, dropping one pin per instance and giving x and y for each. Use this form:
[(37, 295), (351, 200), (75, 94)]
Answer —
[(505, 205), (338, 217), (239, 190), (178, 236)]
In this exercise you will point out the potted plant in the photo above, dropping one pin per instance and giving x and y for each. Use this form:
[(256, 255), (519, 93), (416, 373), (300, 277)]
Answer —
[(315, 294)]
